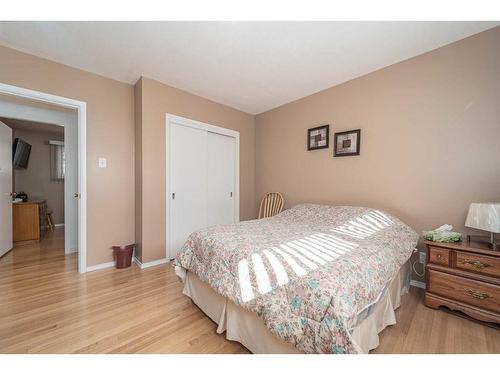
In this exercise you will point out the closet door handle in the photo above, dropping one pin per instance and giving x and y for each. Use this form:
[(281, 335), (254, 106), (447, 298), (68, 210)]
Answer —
[(173, 195), (231, 194)]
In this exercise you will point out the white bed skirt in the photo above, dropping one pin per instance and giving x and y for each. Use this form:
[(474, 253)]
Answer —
[(247, 328)]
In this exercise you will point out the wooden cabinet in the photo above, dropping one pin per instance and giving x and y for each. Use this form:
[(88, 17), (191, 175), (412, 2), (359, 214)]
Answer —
[(464, 277), (28, 221)]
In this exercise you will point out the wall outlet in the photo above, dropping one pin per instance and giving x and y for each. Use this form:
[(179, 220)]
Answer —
[(422, 257)]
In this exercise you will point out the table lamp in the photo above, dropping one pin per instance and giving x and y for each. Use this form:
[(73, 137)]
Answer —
[(484, 216)]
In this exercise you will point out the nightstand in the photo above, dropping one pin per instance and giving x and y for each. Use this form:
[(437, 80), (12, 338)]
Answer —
[(465, 277)]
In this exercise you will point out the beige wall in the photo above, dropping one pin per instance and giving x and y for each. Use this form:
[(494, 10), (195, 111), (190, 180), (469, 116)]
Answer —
[(430, 142), (430, 138), (35, 179), (157, 100), (110, 134)]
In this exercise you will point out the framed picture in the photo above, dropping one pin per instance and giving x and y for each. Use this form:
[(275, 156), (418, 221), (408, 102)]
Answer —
[(347, 143), (318, 138)]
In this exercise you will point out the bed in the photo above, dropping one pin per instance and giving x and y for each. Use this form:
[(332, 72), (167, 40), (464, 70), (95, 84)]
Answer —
[(313, 279)]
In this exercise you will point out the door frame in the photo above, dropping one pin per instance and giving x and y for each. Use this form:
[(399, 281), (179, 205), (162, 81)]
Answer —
[(6, 141), (173, 119), (81, 108)]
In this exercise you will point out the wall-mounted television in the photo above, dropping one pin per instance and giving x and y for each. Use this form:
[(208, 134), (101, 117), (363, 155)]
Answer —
[(20, 153)]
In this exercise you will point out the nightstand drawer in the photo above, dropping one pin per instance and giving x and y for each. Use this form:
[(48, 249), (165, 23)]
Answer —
[(478, 263), (438, 255), (476, 293)]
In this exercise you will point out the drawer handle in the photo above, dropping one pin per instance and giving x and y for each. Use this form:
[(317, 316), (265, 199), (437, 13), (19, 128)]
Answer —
[(476, 263), (439, 256), (477, 294)]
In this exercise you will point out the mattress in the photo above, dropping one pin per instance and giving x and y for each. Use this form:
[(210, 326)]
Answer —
[(246, 327)]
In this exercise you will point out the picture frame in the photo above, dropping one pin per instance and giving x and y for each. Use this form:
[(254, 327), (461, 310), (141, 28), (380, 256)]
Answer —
[(347, 143), (318, 137)]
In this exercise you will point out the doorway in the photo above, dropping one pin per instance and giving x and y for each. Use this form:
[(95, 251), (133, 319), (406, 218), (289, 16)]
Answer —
[(41, 175), (74, 147)]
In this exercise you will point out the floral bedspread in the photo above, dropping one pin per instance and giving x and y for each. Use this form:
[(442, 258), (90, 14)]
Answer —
[(306, 272)]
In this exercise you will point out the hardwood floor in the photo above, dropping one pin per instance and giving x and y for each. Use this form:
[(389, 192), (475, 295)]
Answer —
[(46, 306)]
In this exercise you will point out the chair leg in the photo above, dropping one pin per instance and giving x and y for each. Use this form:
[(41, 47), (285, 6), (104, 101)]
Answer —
[(49, 221)]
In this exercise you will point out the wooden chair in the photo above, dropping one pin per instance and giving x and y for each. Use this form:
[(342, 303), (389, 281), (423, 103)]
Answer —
[(272, 204), (50, 222)]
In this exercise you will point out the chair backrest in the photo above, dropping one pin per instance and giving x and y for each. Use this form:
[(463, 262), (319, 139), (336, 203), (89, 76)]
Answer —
[(272, 204)]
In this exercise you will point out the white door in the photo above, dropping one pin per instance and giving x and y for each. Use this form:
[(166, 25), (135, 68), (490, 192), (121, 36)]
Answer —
[(5, 188), (188, 185), (221, 179), (71, 186)]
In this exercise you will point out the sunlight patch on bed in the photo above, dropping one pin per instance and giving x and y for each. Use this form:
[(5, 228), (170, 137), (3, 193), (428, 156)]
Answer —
[(322, 254), (311, 265), (279, 270), (299, 271), (331, 243), (306, 254), (263, 283), (328, 251), (302, 256), (365, 226), (245, 284)]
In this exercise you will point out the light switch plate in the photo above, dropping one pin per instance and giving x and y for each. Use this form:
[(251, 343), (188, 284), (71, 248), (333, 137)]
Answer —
[(422, 257), (102, 163)]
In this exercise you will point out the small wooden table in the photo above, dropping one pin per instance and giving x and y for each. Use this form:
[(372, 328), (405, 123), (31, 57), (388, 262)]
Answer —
[(28, 220), (464, 276)]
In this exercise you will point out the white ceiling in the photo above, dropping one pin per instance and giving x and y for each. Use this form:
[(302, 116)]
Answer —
[(251, 66)]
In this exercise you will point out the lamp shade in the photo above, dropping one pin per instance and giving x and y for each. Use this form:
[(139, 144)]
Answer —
[(484, 216)]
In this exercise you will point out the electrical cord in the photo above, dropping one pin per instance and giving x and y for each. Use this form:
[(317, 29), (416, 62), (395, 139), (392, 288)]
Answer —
[(413, 266), (416, 272)]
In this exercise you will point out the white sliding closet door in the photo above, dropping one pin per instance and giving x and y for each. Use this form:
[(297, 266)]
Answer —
[(202, 178), (221, 179), (188, 185)]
